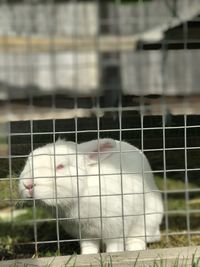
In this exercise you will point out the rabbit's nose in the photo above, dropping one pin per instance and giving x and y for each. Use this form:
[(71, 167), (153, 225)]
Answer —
[(29, 186)]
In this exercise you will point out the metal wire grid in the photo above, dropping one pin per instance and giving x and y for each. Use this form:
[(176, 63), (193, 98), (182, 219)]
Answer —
[(167, 232)]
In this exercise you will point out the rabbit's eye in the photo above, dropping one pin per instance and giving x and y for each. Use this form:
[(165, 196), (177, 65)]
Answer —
[(59, 167)]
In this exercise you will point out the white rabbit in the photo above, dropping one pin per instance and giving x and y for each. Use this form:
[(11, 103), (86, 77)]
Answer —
[(104, 188)]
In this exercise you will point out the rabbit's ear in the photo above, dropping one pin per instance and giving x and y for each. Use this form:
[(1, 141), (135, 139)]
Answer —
[(98, 150)]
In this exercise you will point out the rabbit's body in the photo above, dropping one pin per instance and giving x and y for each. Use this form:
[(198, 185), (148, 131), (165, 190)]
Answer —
[(113, 197)]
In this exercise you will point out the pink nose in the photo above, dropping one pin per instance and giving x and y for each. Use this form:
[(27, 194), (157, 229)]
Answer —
[(29, 186)]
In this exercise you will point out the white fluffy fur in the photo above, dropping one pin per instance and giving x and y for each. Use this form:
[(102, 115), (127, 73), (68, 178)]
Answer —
[(130, 203)]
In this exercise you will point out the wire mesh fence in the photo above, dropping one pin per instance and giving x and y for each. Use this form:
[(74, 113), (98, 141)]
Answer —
[(99, 126)]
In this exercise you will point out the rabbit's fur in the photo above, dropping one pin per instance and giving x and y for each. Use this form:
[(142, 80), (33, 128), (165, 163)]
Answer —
[(104, 188)]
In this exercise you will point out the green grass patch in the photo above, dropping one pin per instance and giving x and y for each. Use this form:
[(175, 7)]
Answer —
[(8, 192), (107, 261), (172, 183)]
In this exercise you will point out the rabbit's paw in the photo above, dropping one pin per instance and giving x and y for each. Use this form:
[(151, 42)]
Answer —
[(89, 247), (133, 244)]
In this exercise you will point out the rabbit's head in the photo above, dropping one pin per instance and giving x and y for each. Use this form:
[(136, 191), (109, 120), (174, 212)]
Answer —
[(50, 173)]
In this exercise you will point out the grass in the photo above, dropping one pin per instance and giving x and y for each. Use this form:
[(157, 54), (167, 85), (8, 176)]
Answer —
[(8, 188), (108, 262)]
